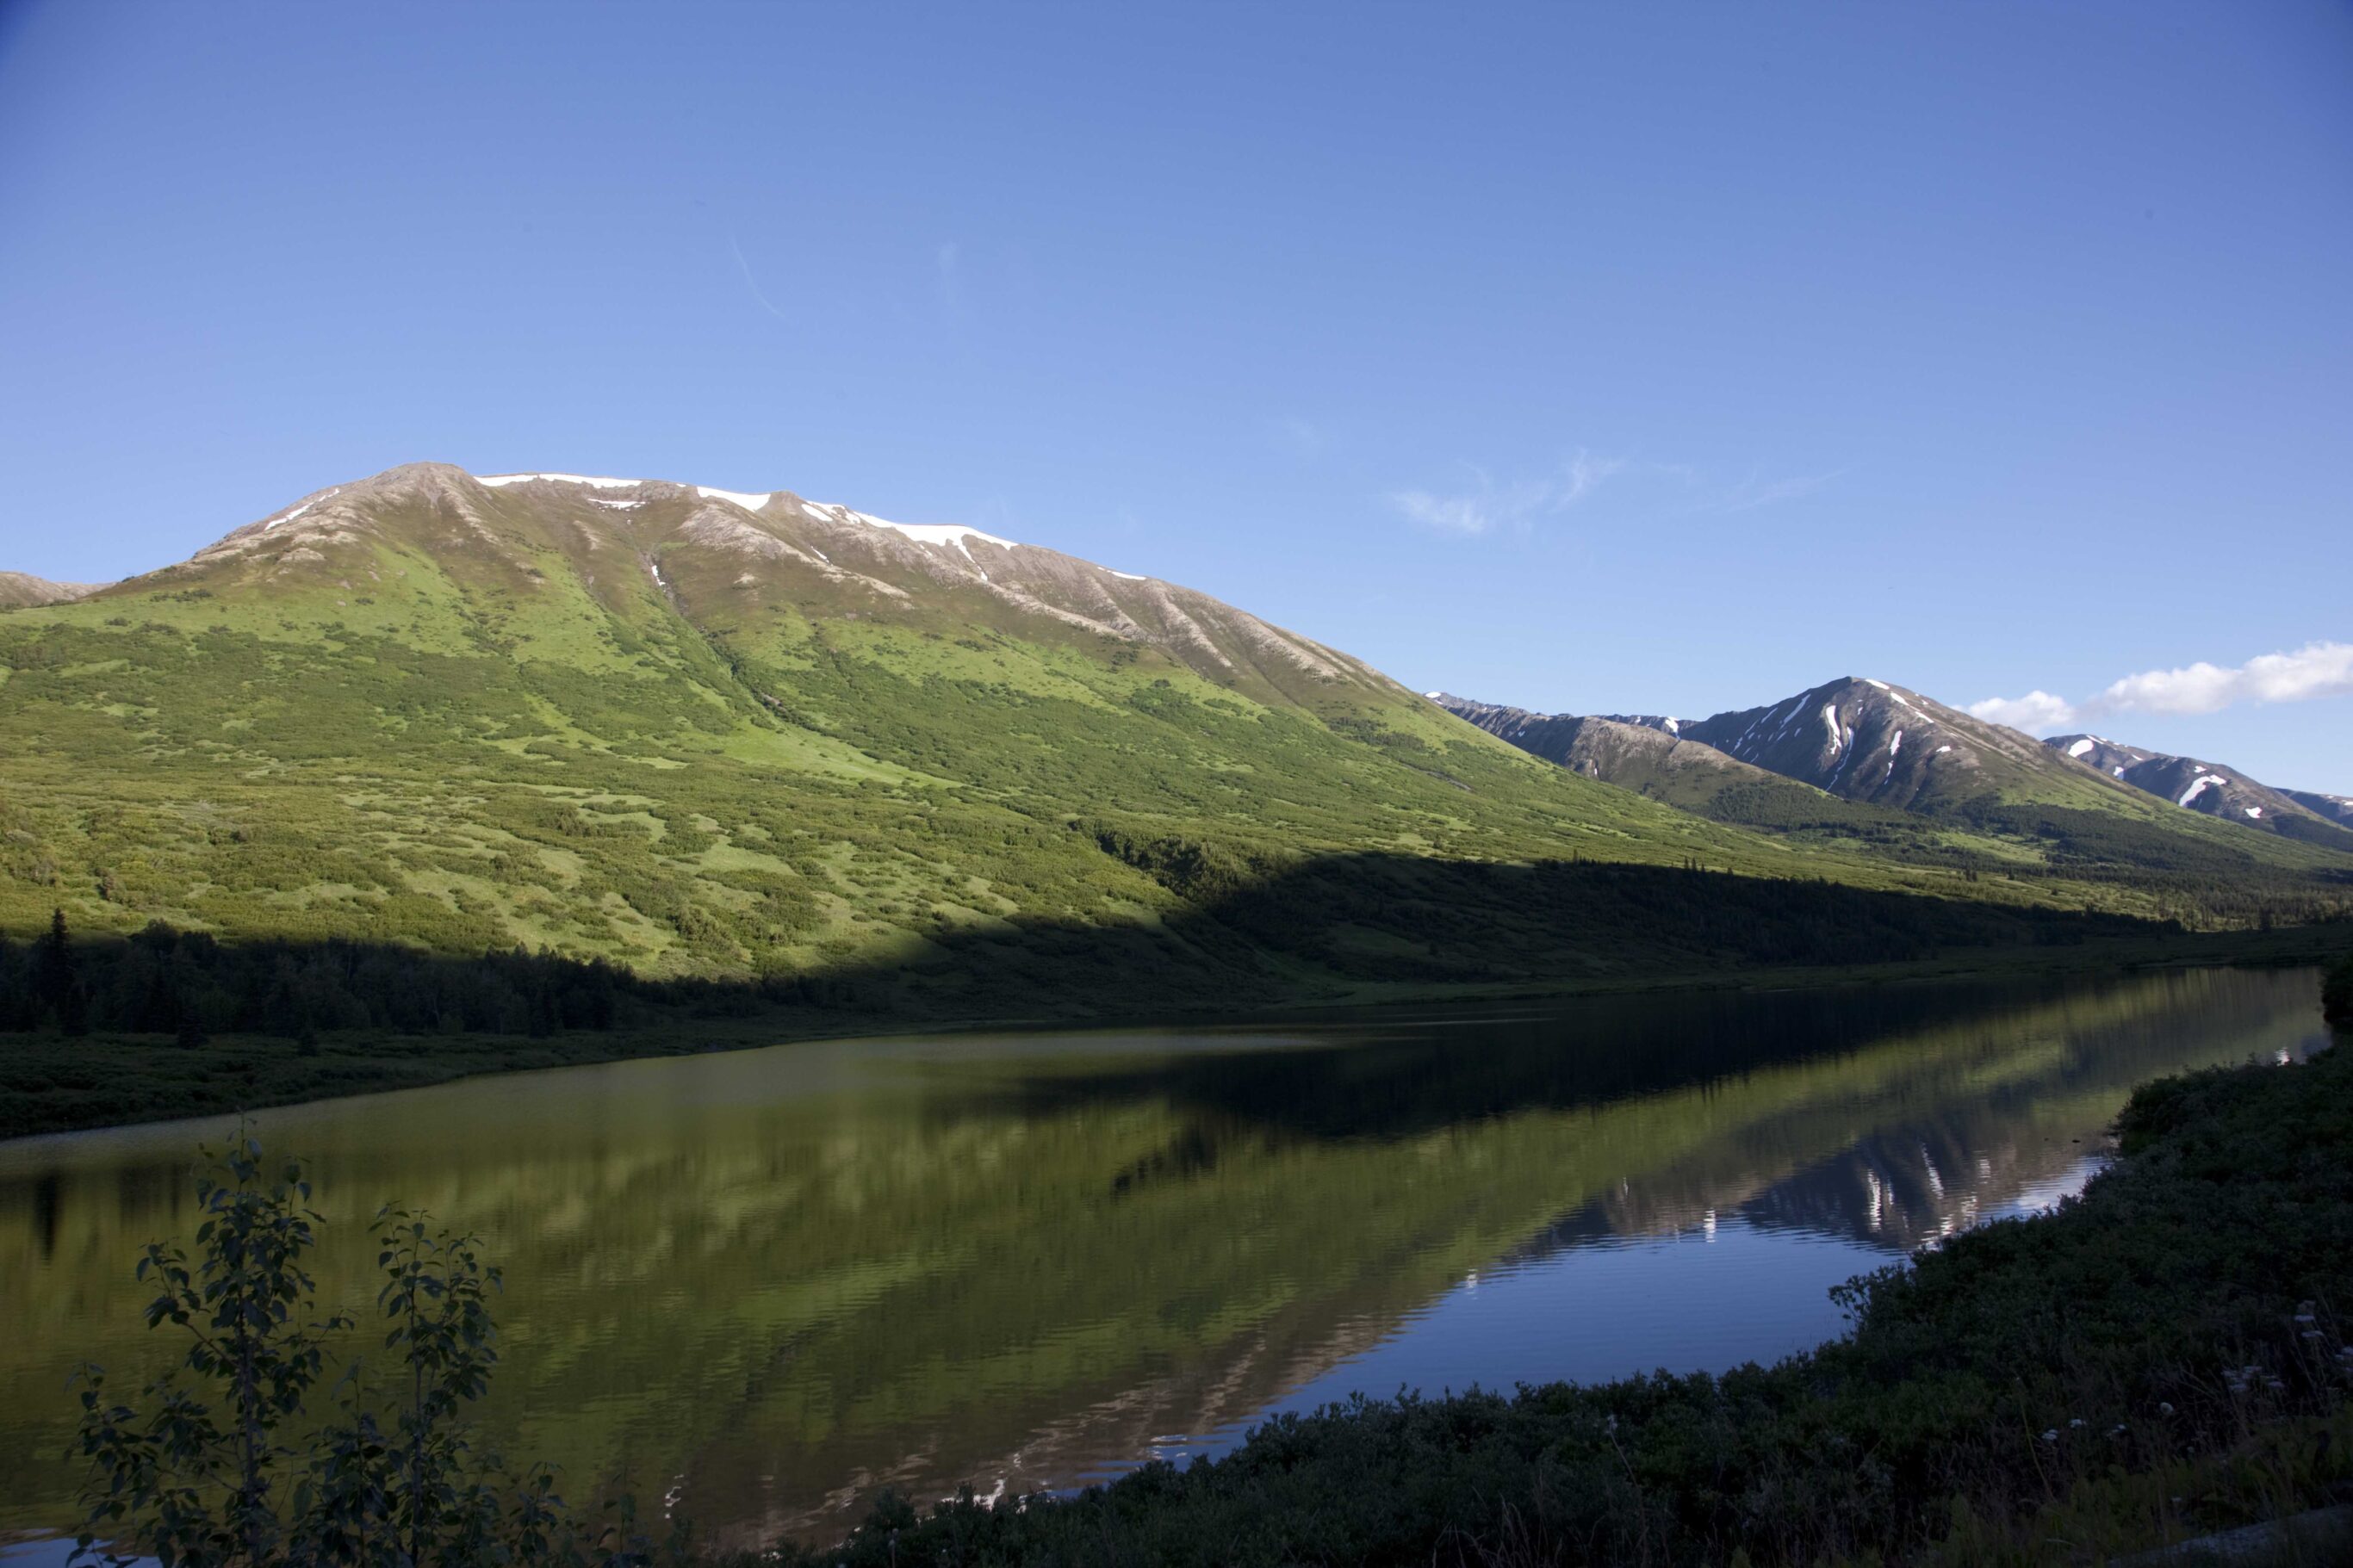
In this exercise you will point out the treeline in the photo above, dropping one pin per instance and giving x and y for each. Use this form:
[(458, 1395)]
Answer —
[(189, 984)]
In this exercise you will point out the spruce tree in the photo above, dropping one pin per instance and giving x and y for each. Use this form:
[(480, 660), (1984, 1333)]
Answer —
[(53, 970)]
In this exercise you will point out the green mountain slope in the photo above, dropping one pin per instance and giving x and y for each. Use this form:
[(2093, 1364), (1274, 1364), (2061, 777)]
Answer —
[(708, 733)]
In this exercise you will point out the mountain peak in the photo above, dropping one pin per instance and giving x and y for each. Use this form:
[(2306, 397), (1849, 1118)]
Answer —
[(735, 552)]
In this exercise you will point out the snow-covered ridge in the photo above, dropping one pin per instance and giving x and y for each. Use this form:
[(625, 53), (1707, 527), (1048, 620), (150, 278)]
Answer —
[(951, 534), (954, 536), (743, 498)]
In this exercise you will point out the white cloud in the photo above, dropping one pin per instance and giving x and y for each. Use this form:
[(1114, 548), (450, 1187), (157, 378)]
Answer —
[(2316, 669), (1486, 506), (2035, 711)]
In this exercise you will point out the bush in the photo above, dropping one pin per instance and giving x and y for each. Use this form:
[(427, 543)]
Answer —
[(199, 1471)]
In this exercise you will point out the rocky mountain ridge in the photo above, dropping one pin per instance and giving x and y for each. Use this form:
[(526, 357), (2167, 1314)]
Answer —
[(19, 589), (2211, 788), (1874, 744)]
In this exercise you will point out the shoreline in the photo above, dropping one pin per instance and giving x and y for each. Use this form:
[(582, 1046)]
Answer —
[(183, 1085)]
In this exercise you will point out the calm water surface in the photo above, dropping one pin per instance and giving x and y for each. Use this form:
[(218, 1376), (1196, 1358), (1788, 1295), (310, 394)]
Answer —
[(766, 1284)]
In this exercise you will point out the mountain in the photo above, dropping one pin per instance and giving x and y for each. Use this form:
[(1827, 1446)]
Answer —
[(1860, 739), (2218, 792), (1648, 755), (1867, 739), (705, 731), (1925, 783), (19, 589), (2337, 808)]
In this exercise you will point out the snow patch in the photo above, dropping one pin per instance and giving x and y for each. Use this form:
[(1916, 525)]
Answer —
[(946, 533), (1829, 722), (743, 498), (500, 481), (2198, 787), (1881, 684), (1894, 746), (2255, 811), (1673, 727), (2080, 747), (615, 505), (1941, 750), (299, 511), (2118, 771), (1130, 577), (950, 534)]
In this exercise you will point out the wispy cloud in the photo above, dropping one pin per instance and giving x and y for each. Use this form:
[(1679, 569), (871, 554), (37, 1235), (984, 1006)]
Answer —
[(947, 270), (752, 283), (2316, 669), (1755, 490), (1300, 437), (1486, 506)]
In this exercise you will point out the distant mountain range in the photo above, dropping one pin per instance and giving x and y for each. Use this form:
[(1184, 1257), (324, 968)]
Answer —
[(2334, 808), (706, 731), (1872, 744), (2217, 791)]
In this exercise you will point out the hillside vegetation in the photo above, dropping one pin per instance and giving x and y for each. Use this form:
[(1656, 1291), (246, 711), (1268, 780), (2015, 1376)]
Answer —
[(700, 734)]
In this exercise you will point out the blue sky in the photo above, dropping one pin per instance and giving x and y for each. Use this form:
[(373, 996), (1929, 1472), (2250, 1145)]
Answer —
[(1663, 359)]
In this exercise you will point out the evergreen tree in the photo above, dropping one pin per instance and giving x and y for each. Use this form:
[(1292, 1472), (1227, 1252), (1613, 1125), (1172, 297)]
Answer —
[(53, 969)]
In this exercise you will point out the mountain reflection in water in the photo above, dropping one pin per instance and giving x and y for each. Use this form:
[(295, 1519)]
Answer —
[(771, 1282)]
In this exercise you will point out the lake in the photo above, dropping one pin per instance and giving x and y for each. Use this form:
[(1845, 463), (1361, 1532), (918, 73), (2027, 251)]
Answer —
[(756, 1287)]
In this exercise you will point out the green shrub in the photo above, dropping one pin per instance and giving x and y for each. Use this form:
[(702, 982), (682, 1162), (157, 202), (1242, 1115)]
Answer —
[(230, 1460)]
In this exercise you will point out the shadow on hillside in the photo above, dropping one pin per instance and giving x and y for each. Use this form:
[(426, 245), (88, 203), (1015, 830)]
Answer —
[(1237, 939)]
